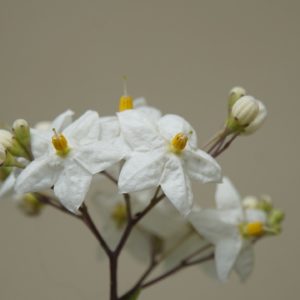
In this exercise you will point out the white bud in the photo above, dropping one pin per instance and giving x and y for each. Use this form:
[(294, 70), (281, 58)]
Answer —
[(235, 94), (6, 138), (250, 202), (245, 110), (258, 121), (21, 131), (2, 154), (43, 126)]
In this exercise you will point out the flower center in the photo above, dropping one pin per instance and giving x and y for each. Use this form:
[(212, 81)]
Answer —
[(119, 214), (254, 229), (178, 142), (126, 102), (60, 144)]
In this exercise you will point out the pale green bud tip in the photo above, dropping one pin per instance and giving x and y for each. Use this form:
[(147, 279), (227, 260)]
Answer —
[(245, 110), (235, 94), (2, 154), (30, 204), (276, 217), (20, 124), (21, 130)]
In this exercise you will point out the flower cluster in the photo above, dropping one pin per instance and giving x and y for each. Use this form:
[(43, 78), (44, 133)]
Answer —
[(152, 159)]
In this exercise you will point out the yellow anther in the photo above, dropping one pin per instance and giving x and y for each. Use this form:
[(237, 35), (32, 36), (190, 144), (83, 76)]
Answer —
[(60, 144), (254, 229), (119, 214), (179, 142), (126, 102)]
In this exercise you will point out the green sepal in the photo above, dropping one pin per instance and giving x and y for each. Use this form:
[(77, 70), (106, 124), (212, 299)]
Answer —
[(132, 296)]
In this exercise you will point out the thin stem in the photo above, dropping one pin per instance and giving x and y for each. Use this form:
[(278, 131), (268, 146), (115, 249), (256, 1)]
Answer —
[(110, 177), (86, 218), (217, 153), (113, 266), (182, 265)]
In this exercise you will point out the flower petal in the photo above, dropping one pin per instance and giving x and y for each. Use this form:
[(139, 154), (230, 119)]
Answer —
[(141, 171), (39, 175), (176, 185), (40, 142), (245, 262), (72, 185), (110, 127), (139, 132), (85, 129), (226, 254), (227, 197), (150, 112), (170, 125), (62, 121), (98, 156), (201, 166)]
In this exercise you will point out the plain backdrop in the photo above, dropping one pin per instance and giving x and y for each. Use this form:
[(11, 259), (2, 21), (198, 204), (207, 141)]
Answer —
[(183, 56)]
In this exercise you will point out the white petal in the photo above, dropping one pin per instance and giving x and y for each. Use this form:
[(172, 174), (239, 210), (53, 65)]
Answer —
[(110, 127), (39, 175), (72, 185), (226, 253), (98, 156), (139, 102), (227, 197), (255, 215), (150, 112), (7, 186), (170, 125), (176, 185), (62, 121), (142, 171), (40, 142), (85, 129), (212, 225), (138, 131), (201, 166), (245, 262)]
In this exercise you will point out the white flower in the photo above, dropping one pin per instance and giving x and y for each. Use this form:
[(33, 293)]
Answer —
[(69, 161), (165, 154), (231, 229)]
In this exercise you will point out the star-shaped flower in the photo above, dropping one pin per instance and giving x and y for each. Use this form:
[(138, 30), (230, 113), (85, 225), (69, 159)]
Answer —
[(231, 229), (69, 160), (164, 153)]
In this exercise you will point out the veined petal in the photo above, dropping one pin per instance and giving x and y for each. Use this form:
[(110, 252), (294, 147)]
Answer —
[(141, 171), (245, 262), (226, 254), (110, 127), (39, 175), (150, 112), (138, 131), (170, 125), (72, 185), (62, 121), (85, 129), (201, 166), (227, 197), (176, 185), (99, 156)]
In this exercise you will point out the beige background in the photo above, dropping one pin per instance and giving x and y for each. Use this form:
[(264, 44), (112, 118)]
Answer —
[(183, 56)]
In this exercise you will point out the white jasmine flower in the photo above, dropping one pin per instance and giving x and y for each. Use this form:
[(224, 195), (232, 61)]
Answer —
[(164, 155), (69, 161), (231, 229)]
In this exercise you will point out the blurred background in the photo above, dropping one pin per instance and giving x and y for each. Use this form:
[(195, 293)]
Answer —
[(184, 57)]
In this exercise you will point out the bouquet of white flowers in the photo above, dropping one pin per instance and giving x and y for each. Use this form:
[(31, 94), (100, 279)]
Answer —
[(151, 158)]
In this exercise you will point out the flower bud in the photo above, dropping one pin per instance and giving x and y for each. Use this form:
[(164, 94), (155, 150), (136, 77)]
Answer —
[(276, 217), (30, 204), (250, 202), (43, 126), (245, 110), (258, 121), (10, 143), (2, 154), (21, 130), (4, 173), (235, 94)]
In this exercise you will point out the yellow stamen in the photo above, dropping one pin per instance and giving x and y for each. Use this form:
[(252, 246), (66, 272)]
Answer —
[(254, 229), (119, 214), (126, 101), (179, 142), (60, 144)]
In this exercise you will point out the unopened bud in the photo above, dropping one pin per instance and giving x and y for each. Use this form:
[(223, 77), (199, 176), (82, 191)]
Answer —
[(258, 121), (30, 204), (250, 202), (43, 126), (6, 138), (276, 217), (21, 130), (4, 173), (2, 154), (245, 110), (235, 94)]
